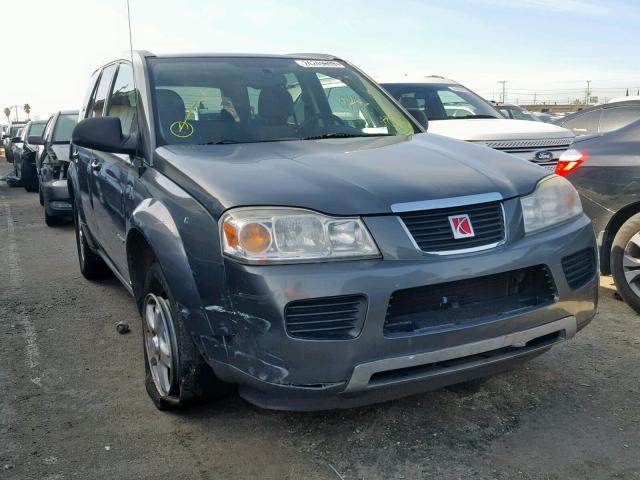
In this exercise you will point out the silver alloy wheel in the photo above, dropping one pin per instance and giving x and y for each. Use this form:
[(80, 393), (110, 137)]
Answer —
[(631, 263), (158, 342)]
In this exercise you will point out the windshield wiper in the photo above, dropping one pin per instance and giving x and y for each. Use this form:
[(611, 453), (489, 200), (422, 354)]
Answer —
[(222, 142), (345, 135), (233, 142), (466, 117)]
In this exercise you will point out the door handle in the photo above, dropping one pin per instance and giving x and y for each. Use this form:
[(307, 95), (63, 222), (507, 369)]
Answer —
[(96, 165)]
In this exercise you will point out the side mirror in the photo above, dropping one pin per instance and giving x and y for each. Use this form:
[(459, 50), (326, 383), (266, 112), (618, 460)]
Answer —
[(16, 140), (103, 134), (5, 135), (505, 113), (420, 117), (35, 140)]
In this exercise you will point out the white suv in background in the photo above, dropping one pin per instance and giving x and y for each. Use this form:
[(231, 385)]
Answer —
[(455, 111)]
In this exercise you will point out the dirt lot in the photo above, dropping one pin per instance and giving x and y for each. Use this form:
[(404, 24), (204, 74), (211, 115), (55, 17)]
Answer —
[(72, 402)]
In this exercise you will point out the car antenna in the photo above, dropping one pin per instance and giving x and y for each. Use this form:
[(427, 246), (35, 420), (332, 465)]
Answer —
[(133, 71)]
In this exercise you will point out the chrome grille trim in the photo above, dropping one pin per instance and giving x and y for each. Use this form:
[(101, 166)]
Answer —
[(543, 143)]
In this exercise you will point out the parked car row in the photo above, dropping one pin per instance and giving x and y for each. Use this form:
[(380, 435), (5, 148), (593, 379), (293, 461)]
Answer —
[(40, 156), (284, 224)]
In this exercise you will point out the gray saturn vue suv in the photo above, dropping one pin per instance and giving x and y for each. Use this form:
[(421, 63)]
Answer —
[(286, 226)]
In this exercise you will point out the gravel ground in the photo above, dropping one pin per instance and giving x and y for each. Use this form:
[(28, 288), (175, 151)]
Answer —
[(73, 405)]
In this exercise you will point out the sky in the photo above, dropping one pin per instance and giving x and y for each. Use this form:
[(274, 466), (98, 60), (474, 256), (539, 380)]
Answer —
[(545, 47)]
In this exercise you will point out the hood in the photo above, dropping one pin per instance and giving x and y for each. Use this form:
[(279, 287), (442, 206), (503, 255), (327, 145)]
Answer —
[(357, 176), (474, 129)]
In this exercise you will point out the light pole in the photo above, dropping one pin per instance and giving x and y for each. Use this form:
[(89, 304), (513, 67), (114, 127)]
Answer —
[(587, 95), (504, 88)]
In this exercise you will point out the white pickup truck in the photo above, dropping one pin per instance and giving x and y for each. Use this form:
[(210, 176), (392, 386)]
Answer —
[(455, 111)]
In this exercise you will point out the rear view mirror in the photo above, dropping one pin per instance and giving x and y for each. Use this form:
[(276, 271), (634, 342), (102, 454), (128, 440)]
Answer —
[(35, 140), (420, 117), (103, 134)]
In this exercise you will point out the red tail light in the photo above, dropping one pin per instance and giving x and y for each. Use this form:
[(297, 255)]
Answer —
[(570, 160)]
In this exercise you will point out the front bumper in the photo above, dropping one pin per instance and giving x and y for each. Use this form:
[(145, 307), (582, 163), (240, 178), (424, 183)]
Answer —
[(275, 370), (56, 198)]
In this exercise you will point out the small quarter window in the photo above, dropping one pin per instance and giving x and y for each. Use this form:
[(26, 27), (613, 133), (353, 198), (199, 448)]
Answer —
[(97, 106), (123, 99)]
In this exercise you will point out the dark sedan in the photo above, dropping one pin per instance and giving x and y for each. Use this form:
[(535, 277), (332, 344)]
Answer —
[(601, 118), (605, 168)]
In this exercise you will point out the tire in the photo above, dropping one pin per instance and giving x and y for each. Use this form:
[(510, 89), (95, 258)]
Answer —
[(27, 181), (51, 220), (92, 266), (625, 262), (188, 379)]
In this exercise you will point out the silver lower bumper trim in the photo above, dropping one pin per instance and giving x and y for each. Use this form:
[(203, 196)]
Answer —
[(362, 373)]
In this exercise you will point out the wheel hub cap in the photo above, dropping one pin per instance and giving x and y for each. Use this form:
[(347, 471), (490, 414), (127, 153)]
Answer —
[(157, 341), (631, 263)]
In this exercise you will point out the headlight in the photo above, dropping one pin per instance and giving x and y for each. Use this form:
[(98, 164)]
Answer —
[(265, 235), (554, 201)]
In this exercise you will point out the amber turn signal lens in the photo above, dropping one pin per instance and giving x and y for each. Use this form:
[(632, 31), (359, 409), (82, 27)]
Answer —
[(254, 238), (231, 235)]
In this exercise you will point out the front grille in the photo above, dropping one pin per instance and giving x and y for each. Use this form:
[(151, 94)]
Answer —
[(579, 267), (432, 231), (329, 318), (420, 309)]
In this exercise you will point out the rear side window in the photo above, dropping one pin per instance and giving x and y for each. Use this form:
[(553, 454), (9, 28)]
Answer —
[(614, 118), (97, 105), (585, 123), (123, 99), (64, 127)]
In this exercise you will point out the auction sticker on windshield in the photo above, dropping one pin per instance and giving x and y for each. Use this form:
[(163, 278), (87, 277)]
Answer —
[(319, 63)]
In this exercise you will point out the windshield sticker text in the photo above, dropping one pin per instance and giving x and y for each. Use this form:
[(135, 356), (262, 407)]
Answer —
[(319, 64)]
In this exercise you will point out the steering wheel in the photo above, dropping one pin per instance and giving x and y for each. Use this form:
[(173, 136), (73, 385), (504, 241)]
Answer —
[(320, 116)]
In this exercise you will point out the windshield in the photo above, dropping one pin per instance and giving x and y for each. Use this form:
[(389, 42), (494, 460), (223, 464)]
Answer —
[(441, 101), (239, 100), (64, 127), (36, 129)]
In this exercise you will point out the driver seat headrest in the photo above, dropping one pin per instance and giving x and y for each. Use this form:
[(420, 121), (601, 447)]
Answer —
[(275, 105)]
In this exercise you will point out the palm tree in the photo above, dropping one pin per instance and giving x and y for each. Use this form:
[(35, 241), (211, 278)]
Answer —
[(27, 109), (7, 112)]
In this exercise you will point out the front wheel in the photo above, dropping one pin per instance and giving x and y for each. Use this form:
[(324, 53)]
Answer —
[(176, 374), (91, 265), (625, 262)]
